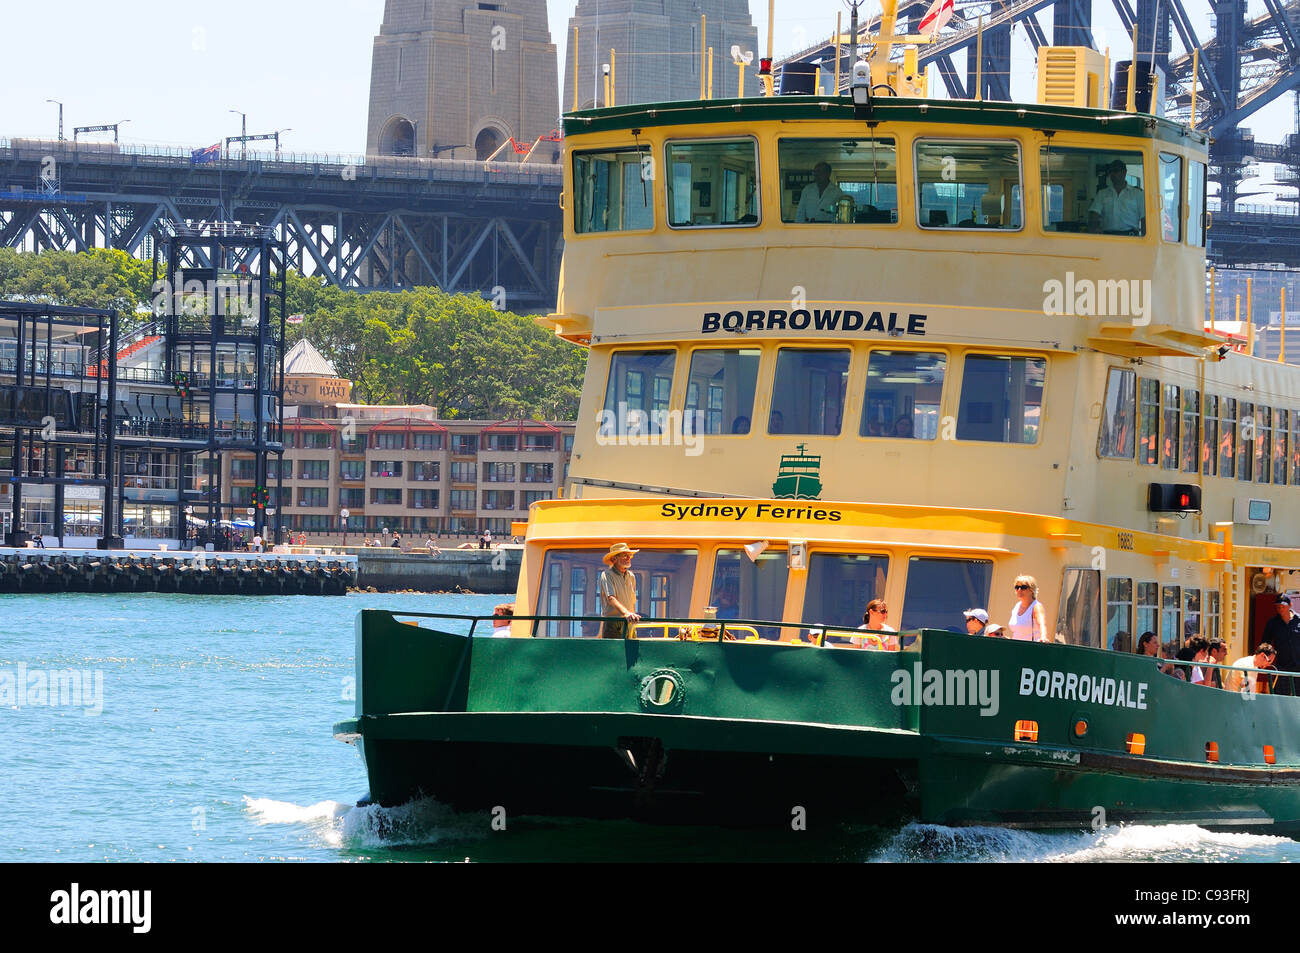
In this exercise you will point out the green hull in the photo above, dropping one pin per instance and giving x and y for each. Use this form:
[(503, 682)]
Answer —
[(754, 733)]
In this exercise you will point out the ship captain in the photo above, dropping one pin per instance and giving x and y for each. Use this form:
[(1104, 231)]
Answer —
[(820, 198), (1119, 208)]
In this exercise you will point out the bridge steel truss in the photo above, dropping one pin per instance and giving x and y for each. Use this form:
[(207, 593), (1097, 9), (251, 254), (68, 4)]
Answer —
[(382, 224), (1242, 67)]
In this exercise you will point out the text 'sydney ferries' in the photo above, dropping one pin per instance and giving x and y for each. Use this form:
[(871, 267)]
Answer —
[(813, 319), (679, 511)]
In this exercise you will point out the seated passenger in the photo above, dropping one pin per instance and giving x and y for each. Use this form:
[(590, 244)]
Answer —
[(995, 631), (1218, 655), (1119, 208), (776, 422), (820, 197), (976, 620), (1237, 681), (903, 427), (501, 616), (1123, 642), (740, 424), (874, 620), (1149, 645)]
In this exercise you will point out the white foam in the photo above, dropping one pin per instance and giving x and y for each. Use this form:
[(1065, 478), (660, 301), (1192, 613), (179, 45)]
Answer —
[(423, 821), (323, 817)]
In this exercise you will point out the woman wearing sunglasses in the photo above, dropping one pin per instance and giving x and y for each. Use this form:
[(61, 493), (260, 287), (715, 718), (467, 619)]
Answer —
[(1028, 620)]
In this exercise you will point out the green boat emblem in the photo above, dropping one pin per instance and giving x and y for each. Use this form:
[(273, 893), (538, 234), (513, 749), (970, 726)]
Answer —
[(799, 476)]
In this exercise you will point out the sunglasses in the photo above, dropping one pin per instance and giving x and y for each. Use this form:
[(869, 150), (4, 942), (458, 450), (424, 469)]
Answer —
[(1022, 586), (881, 611)]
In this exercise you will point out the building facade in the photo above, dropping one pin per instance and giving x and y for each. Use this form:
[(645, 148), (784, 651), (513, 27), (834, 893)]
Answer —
[(455, 79), (657, 46)]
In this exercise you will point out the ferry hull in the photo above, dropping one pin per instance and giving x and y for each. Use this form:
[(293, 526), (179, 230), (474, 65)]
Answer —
[(767, 733)]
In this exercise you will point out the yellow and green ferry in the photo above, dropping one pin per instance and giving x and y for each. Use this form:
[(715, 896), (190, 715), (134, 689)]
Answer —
[(879, 346)]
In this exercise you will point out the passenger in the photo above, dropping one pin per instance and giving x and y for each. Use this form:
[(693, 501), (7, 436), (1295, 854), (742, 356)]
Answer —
[(1119, 208), (616, 588), (776, 422), (1123, 642), (903, 427), (820, 197), (740, 424), (1218, 655), (1200, 647), (1283, 633), (1149, 645), (501, 616), (875, 619), (996, 631), (1236, 680), (976, 620), (1028, 620), (728, 602)]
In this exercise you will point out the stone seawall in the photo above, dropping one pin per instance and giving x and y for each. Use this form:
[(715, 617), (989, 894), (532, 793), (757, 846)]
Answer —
[(474, 570)]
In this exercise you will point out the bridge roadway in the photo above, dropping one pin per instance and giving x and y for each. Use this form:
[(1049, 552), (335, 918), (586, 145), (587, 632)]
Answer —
[(374, 223)]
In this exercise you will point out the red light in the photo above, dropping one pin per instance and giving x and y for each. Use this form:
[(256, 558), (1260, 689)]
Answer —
[(765, 66), (1184, 500)]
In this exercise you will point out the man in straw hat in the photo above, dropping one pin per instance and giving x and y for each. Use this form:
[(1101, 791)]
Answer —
[(617, 590)]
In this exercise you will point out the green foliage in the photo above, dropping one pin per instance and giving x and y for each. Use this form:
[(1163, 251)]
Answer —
[(421, 346)]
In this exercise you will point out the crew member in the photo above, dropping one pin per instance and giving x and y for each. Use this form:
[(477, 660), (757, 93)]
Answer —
[(1283, 633), (820, 197), (616, 588), (1119, 208)]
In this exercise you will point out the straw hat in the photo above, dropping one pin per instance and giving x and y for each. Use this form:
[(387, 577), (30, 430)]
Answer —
[(616, 550)]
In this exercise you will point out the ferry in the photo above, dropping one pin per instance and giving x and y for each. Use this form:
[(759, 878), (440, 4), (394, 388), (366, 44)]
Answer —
[(878, 346)]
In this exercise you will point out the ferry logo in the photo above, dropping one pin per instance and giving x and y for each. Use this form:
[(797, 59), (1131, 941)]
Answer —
[(946, 688), (133, 907), (1098, 299), (798, 477)]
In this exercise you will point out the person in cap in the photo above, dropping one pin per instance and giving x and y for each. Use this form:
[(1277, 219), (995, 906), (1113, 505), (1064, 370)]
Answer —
[(616, 588), (976, 620), (1119, 208), (996, 631), (1283, 633)]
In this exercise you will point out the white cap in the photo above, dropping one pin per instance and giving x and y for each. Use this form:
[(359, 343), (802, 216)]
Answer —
[(977, 614)]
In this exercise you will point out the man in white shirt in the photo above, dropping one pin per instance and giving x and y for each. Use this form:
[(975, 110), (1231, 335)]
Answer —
[(819, 198), (1237, 681), (1118, 207)]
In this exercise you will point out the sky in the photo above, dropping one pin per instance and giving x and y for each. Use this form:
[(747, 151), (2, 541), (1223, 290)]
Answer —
[(175, 68)]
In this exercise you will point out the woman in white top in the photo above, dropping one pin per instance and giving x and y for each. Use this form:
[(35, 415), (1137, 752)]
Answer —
[(873, 620), (1028, 620)]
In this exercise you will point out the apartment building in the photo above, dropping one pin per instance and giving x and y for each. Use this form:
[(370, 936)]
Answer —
[(400, 468)]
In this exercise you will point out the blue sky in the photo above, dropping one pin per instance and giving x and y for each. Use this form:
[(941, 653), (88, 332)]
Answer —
[(175, 68)]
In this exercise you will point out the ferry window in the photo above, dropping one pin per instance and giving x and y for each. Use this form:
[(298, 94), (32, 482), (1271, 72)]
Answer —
[(663, 587), (1171, 632), (612, 191), (1281, 428), (636, 397), (1119, 615), (720, 391), (1211, 614), (967, 184), (1191, 613), (903, 391), (1148, 421), (1196, 204), (1263, 444), (750, 589), (817, 175), (1078, 619), (1092, 190), (712, 183), (1169, 426), (1245, 440), (940, 589), (1001, 398), (808, 391), (1116, 439), (1210, 436), (1148, 608), (1191, 430), (1171, 197), (840, 586), (1227, 436)]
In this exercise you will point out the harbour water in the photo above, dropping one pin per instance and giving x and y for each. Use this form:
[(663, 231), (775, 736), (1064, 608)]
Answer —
[(202, 733)]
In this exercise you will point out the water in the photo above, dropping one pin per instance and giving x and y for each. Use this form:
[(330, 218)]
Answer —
[(214, 743)]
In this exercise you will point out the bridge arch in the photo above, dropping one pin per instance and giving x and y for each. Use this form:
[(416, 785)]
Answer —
[(397, 137)]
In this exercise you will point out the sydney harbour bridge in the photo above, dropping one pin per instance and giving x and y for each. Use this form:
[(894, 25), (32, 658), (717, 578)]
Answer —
[(383, 222)]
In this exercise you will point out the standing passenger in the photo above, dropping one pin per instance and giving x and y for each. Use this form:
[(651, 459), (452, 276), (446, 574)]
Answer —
[(1028, 620), (616, 589)]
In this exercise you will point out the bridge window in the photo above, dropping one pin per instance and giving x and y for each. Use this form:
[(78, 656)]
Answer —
[(1148, 421), (712, 183), (1116, 437), (613, 191), (940, 589), (1171, 197), (1196, 204), (720, 391), (968, 184), (1092, 190), (1210, 436), (808, 392), (903, 391), (1119, 615), (818, 175), (636, 398), (1001, 398), (745, 588), (840, 586)]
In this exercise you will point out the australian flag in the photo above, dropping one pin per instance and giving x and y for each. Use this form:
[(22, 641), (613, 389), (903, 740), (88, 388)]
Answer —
[(210, 154)]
